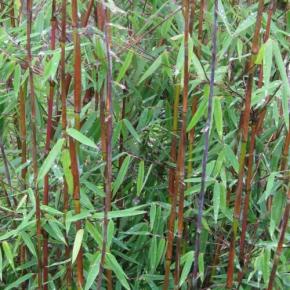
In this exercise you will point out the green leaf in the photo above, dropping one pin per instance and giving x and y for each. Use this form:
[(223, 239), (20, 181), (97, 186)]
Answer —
[(77, 135), (152, 215), (198, 114), (8, 253), (94, 233), (201, 266), (198, 67), (66, 165), (111, 229), (269, 187), (50, 210), (50, 159), (77, 244), (93, 271), (223, 16), (121, 213), (186, 267), (117, 269), (153, 254), (17, 79), (57, 231), (50, 68), (267, 64), (218, 116), (121, 174), (155, 65), (125, 66), (28, 242), (140, 177), (245, 24), (132, 130), (231, 158), (286, 85), (216, 200), (18, 282)]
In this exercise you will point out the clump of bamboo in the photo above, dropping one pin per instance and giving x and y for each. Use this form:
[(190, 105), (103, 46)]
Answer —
[(244, 128), (206, 146)]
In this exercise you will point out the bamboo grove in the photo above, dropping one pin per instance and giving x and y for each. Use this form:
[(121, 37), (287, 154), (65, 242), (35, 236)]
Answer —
[(144, 144)]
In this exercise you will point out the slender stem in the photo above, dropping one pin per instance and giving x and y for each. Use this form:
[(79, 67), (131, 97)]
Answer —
[(47, 148), (182, 146), (244, 128), (172, 171), (108, 123), (72, 144), (86, 16), (256, 126), (206, 145), (65, 82), (285, 218), (77, 65), (77, 206), (34, 144)]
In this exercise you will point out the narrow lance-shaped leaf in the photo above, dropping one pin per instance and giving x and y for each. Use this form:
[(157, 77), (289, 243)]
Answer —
[(132, 130), (121, 174), (50, 159), (77, 244), (155, 65), (77, 135)]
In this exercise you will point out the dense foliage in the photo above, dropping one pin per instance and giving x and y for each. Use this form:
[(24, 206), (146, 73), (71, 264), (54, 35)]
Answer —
[(144, 144)]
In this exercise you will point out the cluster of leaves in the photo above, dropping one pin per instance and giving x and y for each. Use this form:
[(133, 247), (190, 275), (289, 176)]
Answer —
[(147, 48)]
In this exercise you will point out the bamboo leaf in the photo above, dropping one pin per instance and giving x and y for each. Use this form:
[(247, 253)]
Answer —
[(132, 130), (125, 66), (267, 64), (50, 210), (93, 271), (28, 242), (216, 200), (66, 165), (8, 253), (18, 282), (117, 269), (140, 177), (155, 65), (286, 85), (77, 244), (50, 159), (218, 117), (121, 175), (51, 67), (77, 135), (186, 267), (197, 116)]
